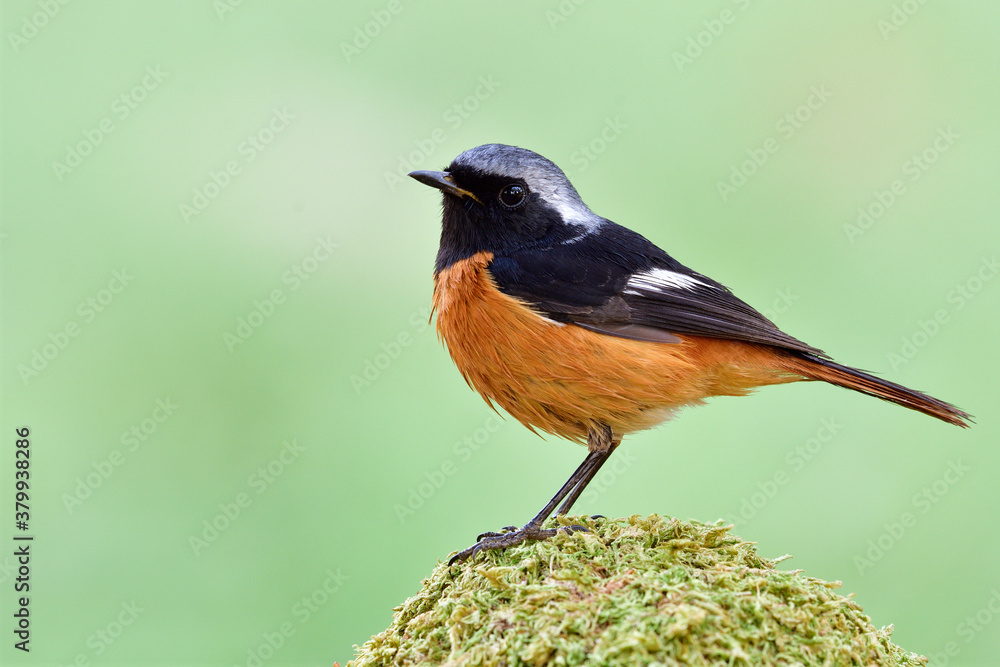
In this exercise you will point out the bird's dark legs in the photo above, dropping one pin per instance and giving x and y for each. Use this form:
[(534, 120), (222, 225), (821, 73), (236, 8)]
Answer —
[(578, 489), (601, 443)]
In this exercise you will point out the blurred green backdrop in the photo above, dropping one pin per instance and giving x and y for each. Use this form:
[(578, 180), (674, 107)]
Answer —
[(247, 444)]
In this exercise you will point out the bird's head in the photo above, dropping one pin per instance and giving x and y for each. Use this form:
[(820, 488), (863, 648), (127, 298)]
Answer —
[(499, 197)]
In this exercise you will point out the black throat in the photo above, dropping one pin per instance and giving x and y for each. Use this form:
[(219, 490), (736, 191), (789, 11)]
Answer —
[(469, 227)]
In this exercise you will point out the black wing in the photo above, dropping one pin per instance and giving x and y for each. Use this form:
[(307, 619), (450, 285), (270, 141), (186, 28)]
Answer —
[(615, 281)]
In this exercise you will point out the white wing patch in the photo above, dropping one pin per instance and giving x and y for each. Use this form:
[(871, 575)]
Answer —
[(660, 280)]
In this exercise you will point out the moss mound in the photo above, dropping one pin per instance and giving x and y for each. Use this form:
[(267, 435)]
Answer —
[(632, 591)]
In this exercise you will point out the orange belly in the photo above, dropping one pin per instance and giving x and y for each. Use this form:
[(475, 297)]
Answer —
[(562, 379)]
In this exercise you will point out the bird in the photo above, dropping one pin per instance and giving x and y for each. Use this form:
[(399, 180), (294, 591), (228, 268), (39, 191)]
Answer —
[(582, 328)]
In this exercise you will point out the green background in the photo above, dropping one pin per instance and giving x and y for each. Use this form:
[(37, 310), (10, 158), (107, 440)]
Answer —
[(604, 90)]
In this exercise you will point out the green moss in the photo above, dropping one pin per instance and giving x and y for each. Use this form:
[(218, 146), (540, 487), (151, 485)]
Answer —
[(633, 591)]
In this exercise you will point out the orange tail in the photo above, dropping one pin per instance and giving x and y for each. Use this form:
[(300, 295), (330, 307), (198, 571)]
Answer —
[(818, 368)]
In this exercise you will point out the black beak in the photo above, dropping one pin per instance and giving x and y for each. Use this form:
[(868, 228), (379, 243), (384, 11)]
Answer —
[(443, 181)]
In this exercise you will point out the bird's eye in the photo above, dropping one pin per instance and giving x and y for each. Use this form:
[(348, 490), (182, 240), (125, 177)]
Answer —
[(512, 195)]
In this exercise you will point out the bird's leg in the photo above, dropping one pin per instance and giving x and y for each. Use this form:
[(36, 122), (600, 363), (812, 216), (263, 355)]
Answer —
[(598, 439), (569, 491)]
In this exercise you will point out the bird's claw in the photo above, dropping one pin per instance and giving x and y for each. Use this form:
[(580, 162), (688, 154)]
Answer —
[(511, 537), (502, 531)]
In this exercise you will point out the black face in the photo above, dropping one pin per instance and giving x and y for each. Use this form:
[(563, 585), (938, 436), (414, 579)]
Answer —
[(508, 216)]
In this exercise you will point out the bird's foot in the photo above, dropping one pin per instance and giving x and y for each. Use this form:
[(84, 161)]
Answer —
[(511, 536), (492, 533)]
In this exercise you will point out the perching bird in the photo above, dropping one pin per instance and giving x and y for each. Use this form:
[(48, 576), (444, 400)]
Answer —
[(582, 328)]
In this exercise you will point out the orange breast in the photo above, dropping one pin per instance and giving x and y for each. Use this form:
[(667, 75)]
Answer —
[(561, 379)]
